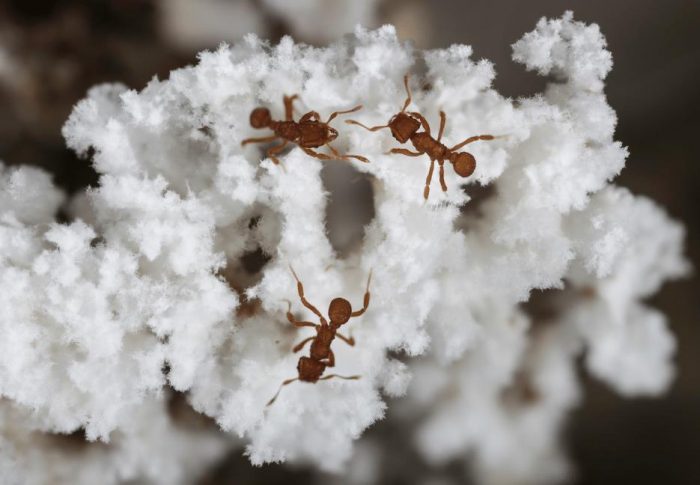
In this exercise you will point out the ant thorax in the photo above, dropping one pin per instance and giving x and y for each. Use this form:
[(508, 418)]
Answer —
[(321, 345), (425, 143), (288, 130)]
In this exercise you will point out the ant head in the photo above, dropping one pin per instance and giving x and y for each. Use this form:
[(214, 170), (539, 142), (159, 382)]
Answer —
[(260, 118), (464, 163), (332, 134), (403, 126), (339, 311)]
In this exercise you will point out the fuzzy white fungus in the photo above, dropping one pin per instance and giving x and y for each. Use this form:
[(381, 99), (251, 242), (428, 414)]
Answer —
[(144, 292)]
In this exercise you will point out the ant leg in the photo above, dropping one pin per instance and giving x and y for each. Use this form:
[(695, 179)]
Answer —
[(429, 178), (345, 157), (423, 121), (471, 140), (310, 116), (357, 157), (274, 150), (320, 156), (288, 381), (442, 175), (300, 290), (334, 151), (301, 344), (403, 151), (333, 115), (373, 128), (366, 301), (348, 340), (443, 119), (331, 376), (331, 359), (288, 107), (408, 93), (294, 321), (323, 156), (259, 140)]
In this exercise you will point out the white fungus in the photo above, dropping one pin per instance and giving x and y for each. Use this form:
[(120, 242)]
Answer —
[(146, 291)]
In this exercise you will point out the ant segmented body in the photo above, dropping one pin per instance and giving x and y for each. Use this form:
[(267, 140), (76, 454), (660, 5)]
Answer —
[(308, 133), (321, 356), (404, 127)]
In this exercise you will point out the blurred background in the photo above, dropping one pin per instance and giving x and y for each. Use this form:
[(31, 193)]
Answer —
[(52, 51)]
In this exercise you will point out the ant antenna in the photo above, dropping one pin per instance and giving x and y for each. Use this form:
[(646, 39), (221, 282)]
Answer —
[(405, 105), (373, 128), (408, 94), (293, 272), (288, 381)]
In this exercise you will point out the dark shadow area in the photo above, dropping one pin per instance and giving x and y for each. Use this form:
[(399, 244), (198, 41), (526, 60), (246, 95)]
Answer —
[(237, 465), (350, 206)]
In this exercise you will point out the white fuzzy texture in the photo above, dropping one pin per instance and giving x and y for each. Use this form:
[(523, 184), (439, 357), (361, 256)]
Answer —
[(100, 316), (624, 258), (150, 448)]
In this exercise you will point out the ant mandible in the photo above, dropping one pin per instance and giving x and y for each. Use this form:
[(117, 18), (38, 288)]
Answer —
[(404, 127), (321, 356), (309, 132)]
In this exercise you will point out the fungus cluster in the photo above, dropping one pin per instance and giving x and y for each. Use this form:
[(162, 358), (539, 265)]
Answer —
[(148, 294)]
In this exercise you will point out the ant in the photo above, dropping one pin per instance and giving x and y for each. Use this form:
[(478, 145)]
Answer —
[(309, 132), (404, 127), (321, 356)]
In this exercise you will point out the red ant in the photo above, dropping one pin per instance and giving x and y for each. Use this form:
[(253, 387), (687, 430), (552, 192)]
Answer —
[(321, 356), (404, 127), (309, 132)]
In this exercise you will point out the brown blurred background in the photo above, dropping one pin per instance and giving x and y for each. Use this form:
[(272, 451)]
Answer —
[(52, 51)]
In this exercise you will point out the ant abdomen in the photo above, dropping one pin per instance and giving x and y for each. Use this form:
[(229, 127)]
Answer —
[(463, 163), (260, 118), (425, 143)]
